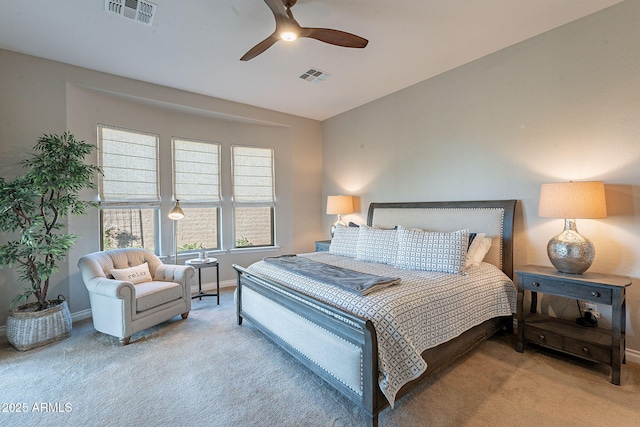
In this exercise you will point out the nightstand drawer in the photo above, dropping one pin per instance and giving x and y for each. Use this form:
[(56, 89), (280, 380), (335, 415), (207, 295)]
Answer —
[(542, 337), (597, 294), (588, 350), (323, 245)]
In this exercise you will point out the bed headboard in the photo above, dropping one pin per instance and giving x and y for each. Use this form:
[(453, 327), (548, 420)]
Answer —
[(492, 217)]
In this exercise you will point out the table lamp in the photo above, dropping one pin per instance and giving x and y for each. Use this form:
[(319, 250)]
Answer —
[(570, 252), (339, 205), (176, 214)]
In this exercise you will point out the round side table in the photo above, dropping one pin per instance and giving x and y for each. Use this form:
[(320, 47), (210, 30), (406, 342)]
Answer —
[(205, 263)]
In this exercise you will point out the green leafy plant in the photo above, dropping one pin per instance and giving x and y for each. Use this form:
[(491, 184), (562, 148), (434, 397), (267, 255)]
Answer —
[(114, 238), (190, 246), (243, 242), (33, 204)]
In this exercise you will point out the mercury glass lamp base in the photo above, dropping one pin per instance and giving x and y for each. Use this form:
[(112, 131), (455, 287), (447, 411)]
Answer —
[(570, 252), (337, 223)]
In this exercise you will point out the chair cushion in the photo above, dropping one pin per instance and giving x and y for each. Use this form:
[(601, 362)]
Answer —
[(153, 294)]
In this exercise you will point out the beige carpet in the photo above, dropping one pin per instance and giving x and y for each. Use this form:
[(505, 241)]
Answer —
[(207, 371)]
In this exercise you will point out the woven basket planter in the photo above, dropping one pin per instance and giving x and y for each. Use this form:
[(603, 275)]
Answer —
[(31, 329)]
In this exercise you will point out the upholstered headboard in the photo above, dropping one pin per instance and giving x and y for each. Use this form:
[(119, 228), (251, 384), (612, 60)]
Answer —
[(492, 217)]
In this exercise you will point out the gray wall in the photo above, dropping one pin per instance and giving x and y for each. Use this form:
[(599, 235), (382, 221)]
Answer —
[(561, 106), (40, 96)]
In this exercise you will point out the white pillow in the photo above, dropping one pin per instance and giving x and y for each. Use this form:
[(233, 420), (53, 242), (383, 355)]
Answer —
[(432, 250), (377, 245), (478, 250), (344, 241), (138, 274)]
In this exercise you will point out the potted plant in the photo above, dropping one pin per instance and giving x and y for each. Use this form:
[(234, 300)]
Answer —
[(32, 207)]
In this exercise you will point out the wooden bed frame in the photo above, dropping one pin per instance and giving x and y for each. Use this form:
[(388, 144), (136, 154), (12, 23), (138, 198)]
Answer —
[(360, 332)]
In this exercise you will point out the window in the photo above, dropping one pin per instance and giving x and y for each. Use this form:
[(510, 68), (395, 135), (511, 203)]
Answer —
[(128, 189), (253, 196), (196, 182)]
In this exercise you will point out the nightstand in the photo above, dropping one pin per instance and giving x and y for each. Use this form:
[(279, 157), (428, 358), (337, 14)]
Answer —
[(596, 344), (323, 245)]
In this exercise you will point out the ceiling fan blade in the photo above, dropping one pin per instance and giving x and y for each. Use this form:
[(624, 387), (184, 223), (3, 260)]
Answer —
[(277, 7), (335, 37), (260, 47)]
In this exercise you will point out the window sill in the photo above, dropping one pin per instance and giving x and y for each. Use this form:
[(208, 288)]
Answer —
[(255, 249)]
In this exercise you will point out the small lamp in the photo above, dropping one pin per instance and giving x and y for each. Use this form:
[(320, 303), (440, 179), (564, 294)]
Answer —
[(339, 205), (569, 252), (176, 214)]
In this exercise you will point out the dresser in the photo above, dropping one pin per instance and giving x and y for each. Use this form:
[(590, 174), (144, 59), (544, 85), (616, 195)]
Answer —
[(593, 343)]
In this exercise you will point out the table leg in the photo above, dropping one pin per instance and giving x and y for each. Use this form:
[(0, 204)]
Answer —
[(617, 341), (201, 294), (520, 317)]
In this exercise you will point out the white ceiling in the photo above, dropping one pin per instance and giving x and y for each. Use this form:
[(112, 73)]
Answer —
[(195, 45)]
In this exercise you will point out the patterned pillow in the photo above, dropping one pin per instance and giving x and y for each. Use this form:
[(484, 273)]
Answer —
[(377, 245), (432, 251), (135, 275), (345, 241)]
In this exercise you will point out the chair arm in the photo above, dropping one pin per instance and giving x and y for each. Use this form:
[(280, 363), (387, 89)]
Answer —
[(174, 273), (110, 287)]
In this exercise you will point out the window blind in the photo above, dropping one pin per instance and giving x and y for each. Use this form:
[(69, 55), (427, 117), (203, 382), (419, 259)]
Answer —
[(252, 174), (129, 161), (196, 169)]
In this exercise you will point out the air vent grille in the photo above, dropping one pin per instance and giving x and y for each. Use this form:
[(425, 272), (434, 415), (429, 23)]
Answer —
[(137, 10), (314, 75)]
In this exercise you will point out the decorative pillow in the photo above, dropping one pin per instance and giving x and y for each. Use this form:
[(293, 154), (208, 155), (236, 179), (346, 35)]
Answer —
[(345, 241), (471, 237), (135, 275), (432, 251), (377, 245), (478, 250)]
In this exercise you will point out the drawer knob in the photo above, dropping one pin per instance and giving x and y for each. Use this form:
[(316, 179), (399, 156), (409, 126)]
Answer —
[(536, 284), (585, 349), (541, 337), (595, 294)]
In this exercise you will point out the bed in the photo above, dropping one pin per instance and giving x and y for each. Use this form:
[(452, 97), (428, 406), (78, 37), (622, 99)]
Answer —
[(346, 338)]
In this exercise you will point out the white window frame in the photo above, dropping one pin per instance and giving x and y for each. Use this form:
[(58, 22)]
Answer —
[(151, 201), (267, 201), (195, 200)]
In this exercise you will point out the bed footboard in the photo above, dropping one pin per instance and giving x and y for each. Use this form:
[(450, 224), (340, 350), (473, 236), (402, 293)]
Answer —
[(306, 328)]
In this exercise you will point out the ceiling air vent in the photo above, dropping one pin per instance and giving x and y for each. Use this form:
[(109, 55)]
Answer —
[(314, 76), (141, 11)]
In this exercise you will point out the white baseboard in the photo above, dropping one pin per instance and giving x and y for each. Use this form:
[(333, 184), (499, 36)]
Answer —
[(208, 287), (633, 356), (81, 315)]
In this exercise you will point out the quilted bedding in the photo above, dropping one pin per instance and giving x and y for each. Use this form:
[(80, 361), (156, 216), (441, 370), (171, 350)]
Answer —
[(422, 311)]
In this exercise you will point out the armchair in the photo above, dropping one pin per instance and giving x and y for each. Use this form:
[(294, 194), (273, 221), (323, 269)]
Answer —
[(121, 308)]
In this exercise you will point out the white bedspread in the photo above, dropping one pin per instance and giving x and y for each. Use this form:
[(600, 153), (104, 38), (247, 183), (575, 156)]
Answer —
[(424, 310)]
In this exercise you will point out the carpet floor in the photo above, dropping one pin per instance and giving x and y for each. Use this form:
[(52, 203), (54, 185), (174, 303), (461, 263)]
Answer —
[(207, 371)]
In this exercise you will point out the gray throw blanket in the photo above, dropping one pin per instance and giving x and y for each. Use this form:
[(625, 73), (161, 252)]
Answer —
[(350, 280)]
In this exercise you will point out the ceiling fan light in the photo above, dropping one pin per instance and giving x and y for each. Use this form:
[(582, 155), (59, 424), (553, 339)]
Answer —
[(288, 36)]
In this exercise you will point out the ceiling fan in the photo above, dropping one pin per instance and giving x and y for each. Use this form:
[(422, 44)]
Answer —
[(288, 29)]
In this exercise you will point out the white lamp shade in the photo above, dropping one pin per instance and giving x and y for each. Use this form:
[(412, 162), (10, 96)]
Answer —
[(573, 200), (339, 205)]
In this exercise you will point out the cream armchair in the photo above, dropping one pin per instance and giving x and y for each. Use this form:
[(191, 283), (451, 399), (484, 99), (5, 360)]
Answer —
[(121, 308)]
